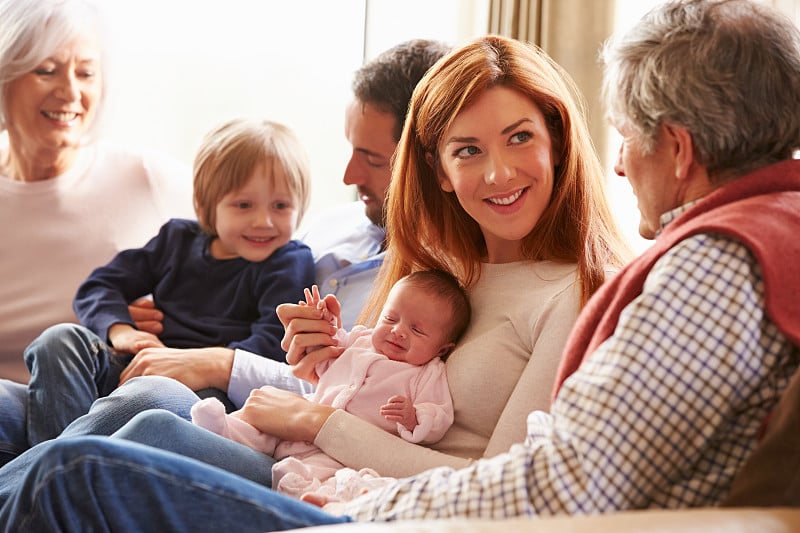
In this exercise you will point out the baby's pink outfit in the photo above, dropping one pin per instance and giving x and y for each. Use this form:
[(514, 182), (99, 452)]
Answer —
[(359, 381)]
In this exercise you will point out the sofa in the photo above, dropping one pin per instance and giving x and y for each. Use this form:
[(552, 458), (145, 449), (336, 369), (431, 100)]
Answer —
[(710, 520)]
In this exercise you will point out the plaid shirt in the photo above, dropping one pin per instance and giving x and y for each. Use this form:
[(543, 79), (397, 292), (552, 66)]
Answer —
[(662, 414)]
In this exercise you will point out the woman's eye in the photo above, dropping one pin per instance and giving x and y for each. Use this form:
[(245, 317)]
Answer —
[(467, 151), (520, 137)]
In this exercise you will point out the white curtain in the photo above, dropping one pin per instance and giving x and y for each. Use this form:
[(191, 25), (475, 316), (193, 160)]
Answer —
[(571, 32)]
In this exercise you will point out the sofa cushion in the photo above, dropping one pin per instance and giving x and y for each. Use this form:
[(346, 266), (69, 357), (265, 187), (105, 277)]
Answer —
[(708, 520), (771, 475)]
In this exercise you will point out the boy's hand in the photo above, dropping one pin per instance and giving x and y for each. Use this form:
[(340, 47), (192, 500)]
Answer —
[(146, 317), (124, 338)]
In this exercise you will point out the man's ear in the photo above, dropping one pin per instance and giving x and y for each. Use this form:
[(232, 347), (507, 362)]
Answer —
[(683, 149), (444, 181)]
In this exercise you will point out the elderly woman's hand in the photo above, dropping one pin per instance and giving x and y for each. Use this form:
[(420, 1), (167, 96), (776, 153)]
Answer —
[(284, 414), (305, 328)]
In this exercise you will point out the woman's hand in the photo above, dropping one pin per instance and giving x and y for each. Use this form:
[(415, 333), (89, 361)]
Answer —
[(146, 317), (197, 368), (284, 414), (306, 327)]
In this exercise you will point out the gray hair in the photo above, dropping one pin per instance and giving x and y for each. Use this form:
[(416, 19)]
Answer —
[(726, 70), (33, 30)]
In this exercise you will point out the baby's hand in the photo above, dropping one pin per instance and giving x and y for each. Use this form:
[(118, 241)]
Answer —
[(313, 299), (400, 409)]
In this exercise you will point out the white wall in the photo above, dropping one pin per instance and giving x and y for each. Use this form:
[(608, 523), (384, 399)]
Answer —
[(452, 21), (180, 67)]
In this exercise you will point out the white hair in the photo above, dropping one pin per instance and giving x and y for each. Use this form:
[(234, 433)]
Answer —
[(33, 30)]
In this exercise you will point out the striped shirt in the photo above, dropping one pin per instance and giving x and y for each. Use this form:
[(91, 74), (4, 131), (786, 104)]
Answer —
[(661, 415)]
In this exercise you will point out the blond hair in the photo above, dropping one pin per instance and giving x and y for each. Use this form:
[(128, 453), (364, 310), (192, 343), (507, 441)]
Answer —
[(229, 154)]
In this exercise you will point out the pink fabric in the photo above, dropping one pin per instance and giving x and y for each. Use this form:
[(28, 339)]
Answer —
[(209, 413), (761, 210), (359, 381), (322, 475)]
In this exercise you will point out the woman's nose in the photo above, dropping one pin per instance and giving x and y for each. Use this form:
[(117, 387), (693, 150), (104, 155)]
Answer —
[(501, 169), (68, 88)]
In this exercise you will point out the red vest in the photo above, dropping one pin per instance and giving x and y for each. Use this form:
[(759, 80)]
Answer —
[(761, 210)]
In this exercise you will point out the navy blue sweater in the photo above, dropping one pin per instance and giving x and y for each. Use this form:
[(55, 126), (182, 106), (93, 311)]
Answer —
[(206, 301)]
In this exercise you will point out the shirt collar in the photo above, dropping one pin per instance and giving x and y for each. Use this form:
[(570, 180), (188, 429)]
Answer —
[(669, 216)]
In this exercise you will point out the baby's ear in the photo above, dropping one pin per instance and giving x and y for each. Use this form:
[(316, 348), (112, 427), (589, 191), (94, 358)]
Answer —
[(444, 350)]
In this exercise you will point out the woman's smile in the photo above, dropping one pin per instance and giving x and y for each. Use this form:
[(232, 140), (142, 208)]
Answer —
[(497, 158), (508, 199)]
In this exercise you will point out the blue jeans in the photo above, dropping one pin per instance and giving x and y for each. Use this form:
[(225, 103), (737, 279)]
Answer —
[(106, 416), (13, 418), (70, 368), (154, 411), (166, 431), (107, 484)]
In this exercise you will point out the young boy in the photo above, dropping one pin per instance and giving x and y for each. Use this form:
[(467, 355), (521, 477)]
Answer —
[(218, 280)]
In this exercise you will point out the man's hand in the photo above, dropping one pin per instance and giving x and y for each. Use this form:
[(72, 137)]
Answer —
[(146, 317), (400, 409), (197, 368)]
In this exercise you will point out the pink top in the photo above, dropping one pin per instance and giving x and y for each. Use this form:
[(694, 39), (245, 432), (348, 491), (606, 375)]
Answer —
[(361, 380)]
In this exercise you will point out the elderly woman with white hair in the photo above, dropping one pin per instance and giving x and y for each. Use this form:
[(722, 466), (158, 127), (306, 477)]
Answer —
[(68, 202)]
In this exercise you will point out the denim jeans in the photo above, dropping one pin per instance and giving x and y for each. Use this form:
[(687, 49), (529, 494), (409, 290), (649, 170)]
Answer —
[(13, 418), (106, 416), (70, 368), (166, 431), (102, 484), (136, 412)]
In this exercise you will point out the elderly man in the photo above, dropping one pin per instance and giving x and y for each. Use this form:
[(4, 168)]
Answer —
[(674, 366)]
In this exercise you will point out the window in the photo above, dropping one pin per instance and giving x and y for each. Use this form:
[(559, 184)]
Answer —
[(180, 68)]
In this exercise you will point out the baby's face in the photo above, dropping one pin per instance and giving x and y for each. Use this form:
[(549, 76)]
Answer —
[(413, 326)]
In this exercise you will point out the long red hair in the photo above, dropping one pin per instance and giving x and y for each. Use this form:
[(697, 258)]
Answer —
[(428, 229)]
